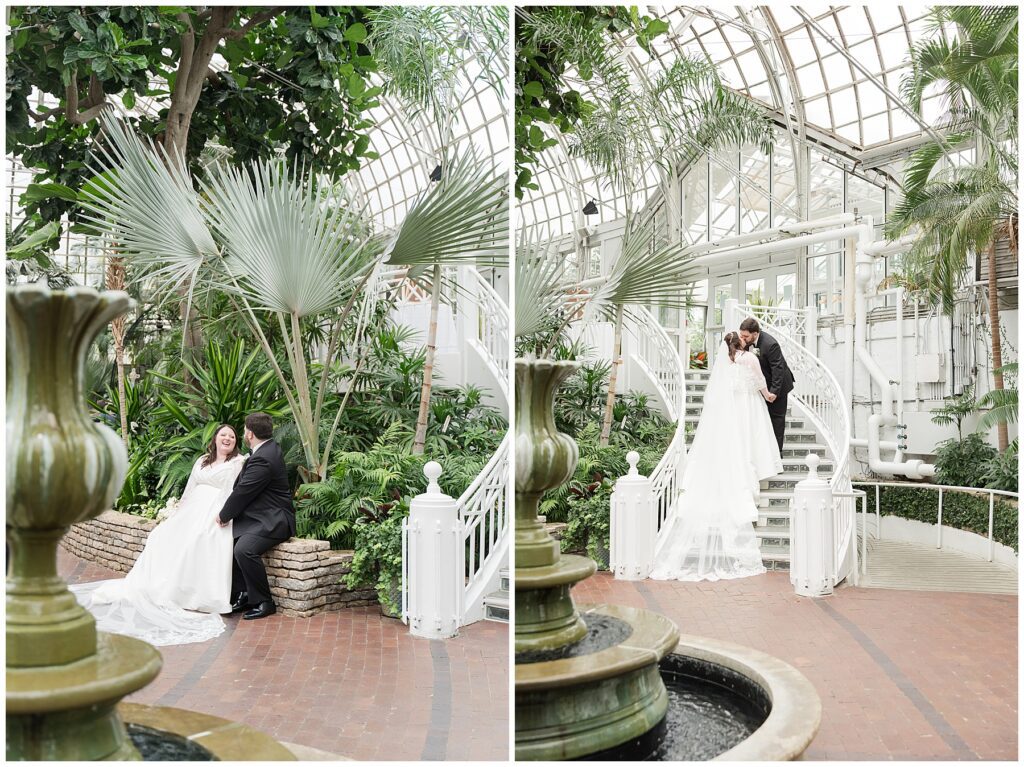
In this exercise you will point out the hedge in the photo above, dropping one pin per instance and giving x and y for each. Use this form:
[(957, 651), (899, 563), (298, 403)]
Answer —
[(961, 510)]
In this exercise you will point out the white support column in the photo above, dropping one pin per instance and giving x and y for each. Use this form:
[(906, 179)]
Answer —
[(431, 559), (468, 326), (634, 525), (812, 546), (731, 318)]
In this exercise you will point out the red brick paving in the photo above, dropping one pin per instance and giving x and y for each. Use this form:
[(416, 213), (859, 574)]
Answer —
[(350, 682), (932, 675)]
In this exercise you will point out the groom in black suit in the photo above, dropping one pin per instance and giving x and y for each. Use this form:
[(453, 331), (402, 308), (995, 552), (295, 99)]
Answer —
[(263, 515), (776, 372)]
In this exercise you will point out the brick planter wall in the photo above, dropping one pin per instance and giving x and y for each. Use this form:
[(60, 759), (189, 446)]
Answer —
[(305, 575)]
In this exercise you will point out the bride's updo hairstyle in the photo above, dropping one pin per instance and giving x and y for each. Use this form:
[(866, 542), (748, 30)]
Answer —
[(732, 341), (211, 451)]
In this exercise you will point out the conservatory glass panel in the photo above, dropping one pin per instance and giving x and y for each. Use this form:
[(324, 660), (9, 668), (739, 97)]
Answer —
[(724, 195), (722, 294), (694, 196)]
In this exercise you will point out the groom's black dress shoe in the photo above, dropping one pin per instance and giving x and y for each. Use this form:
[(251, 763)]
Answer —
[(242, 603), (261, 611)]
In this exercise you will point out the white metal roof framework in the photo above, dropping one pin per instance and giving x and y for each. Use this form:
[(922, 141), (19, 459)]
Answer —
[(829, 78)]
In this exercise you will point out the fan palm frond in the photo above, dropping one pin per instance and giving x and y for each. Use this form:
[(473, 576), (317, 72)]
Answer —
[(646, 273), (142, 199), (538, 272), (464, 218), (285, 249)]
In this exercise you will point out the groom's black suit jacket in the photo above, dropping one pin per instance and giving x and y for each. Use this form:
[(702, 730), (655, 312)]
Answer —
[(261, 503), (776, 372)]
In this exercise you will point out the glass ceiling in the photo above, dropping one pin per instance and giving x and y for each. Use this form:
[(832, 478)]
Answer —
[(830, 76)]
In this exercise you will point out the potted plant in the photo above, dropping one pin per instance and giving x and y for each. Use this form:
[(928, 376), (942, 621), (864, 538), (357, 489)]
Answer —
[(377, 561)]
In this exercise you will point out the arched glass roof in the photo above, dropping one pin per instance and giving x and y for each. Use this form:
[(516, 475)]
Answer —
[(829, 77)]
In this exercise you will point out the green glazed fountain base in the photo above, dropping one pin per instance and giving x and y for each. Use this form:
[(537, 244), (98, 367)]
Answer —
[(228, 741), (546, 617), (568, 708), (67, 712)]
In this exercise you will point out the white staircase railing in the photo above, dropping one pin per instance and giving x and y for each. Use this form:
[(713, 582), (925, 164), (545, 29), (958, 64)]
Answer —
[(795, 323), (484, 511), (818, 395), (484, 507), (658, 357), (490, 316)]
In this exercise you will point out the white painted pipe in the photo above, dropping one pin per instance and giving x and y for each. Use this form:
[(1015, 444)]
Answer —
[(888, 247), (765, 235), (884, 444), (741, 253), (915, 469)]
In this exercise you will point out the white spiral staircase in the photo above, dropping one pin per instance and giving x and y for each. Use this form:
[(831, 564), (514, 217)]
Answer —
[(481, 324)]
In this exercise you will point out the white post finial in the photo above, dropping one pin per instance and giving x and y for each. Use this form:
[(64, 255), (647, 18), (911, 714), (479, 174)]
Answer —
[(632, 457), (812, 464), (432, 471)]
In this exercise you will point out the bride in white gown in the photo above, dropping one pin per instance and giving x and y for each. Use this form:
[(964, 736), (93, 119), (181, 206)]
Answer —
[(712, 535), (182, 578)]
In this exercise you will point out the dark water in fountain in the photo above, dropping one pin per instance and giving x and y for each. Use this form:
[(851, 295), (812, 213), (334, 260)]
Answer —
[(711, 709), (603, 631), (158, 746)]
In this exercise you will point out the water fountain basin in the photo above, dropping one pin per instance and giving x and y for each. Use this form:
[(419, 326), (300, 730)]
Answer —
[(795, 714), (573, 706)]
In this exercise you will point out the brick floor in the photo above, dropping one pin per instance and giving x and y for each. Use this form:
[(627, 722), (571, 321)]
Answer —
[(904, 675), (350, 682)]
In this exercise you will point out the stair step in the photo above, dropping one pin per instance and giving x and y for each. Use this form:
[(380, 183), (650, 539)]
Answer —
[(800, 467), (772, 537), (496, 606), (773, 519), (791, 423)]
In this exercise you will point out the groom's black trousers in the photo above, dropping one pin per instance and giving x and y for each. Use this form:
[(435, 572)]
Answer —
[(777, 412), (248, 573)]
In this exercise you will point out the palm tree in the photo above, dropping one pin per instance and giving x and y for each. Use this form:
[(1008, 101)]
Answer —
[(959, 211), (273, 243), (633, 129), (430, 57)]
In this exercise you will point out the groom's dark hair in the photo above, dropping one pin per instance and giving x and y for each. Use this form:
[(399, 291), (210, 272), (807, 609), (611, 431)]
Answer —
[(260, 424), (750, 325)]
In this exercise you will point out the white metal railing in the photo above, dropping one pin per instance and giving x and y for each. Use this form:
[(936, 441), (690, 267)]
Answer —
[(818, 395), (484, 511), (492, 328), (659, 358), (942, 490), (792, 322)]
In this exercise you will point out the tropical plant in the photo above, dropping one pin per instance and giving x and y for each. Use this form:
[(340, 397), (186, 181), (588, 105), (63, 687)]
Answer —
[(551, 40), (1002, 403), (266, 237), (955, 209), (956, 409), (424, 54), (641, 275), (1002, 471), (963, 462)]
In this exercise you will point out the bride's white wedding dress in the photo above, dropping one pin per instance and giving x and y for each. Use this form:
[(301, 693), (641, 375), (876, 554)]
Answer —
[(182, 579), (712, 535)]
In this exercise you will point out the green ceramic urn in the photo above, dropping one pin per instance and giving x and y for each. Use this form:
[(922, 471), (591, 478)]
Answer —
[(63, 680)]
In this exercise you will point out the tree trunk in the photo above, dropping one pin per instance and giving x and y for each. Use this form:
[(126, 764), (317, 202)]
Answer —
[(997, 344), (420, 441), (115, 279), (609, 405)]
